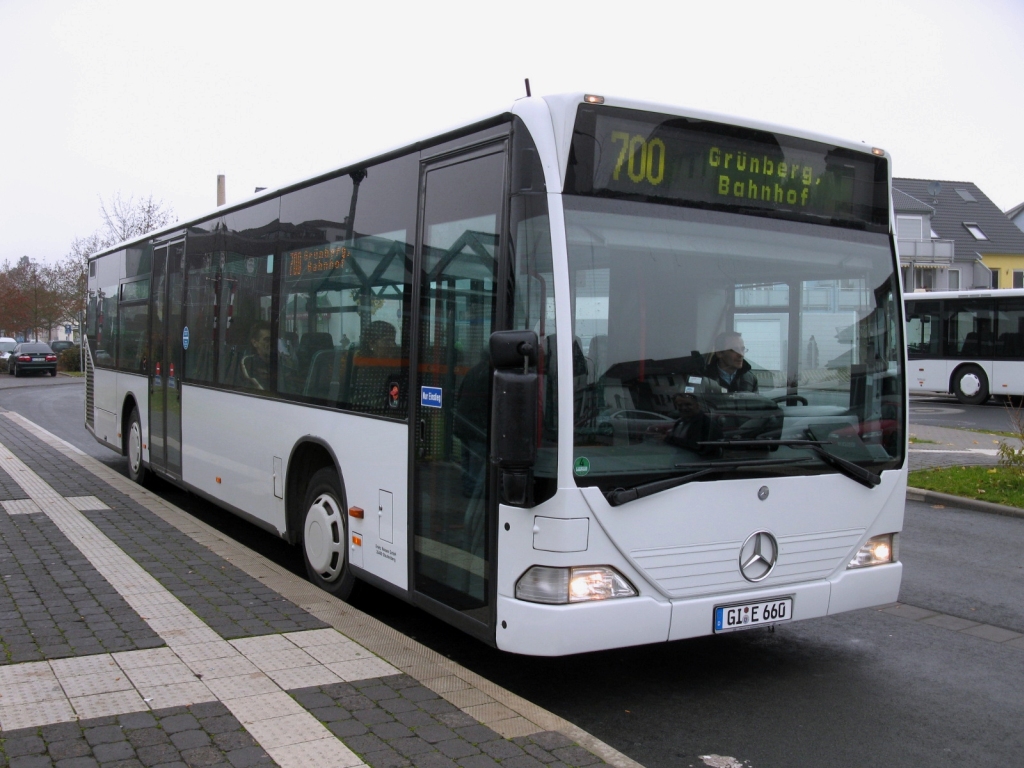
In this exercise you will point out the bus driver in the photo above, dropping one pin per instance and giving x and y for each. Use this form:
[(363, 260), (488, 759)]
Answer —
[(726, 365)]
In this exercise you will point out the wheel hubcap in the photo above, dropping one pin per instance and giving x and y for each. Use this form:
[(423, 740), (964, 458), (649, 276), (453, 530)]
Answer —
[(323, 537), (135, 447), (970, 384)]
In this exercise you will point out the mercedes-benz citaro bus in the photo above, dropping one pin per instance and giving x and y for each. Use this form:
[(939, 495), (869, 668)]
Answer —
[(585, 374)]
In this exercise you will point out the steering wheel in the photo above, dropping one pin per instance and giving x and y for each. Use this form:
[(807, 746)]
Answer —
[(791, 399)]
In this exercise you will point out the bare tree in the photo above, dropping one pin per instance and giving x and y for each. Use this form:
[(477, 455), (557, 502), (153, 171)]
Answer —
[(125, 218)]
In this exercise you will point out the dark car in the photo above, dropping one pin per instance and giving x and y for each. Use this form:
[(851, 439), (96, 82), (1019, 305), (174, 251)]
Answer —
[(32, 356), (60, 346)]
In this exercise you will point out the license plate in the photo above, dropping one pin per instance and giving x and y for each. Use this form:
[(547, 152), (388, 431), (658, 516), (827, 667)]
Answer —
[(729, 618)]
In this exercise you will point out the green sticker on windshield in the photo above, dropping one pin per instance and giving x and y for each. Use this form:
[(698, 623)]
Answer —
[(581, 466)]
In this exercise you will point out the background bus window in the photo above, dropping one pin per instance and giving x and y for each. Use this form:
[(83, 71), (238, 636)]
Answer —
[(970, 329), (102, 310), (343, 317), (133, 317), (1010, 342), (924, 328)]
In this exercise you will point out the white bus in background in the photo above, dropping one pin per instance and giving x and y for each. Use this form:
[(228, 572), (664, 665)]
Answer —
[(969, 343), (474, 372)]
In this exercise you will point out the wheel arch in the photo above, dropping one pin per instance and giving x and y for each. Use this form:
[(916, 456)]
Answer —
[(309, 455), (130, 402), (955, 373)]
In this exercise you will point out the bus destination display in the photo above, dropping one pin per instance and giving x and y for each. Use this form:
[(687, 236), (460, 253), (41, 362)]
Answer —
[(660, 158)]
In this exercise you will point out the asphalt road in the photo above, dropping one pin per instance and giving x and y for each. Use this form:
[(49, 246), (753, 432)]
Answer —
[(946, 411), (865, 688)]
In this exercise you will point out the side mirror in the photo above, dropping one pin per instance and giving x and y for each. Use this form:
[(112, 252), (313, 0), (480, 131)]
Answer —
[(514, 413)]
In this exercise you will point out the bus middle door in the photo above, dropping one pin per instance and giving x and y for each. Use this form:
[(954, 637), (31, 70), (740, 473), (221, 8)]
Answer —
[(166, 361)]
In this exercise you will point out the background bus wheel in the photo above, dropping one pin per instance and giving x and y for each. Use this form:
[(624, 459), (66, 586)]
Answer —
[(136, 469), (325, 535), (971, 385)]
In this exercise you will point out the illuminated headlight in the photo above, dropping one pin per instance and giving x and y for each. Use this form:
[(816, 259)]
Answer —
[(544, 584), (878, 551)]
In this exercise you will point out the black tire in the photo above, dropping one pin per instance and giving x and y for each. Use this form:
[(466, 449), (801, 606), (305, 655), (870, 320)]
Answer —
[(970, 385), (16, 372), (324, 535), (137, 471), (54, 373)]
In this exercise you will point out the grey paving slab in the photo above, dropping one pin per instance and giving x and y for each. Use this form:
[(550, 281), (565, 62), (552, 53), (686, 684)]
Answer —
[(199, 735), (230, 601), (53, 602), (10, 490), (395, 721), (947, 447)]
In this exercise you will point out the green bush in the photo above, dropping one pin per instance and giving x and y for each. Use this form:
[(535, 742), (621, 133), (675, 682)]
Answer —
[(70, 359), (3, 366)]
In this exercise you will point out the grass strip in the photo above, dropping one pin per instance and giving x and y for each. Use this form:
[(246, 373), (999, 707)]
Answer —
[(985, 483)]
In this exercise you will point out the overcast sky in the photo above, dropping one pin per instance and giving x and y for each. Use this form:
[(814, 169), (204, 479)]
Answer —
[(159, 97)]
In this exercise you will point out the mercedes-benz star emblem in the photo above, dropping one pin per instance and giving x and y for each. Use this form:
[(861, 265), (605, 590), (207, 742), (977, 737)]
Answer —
[(762, 492), (758, 555)]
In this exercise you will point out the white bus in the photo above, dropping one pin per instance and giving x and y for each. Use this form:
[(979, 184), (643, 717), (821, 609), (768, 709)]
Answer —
[(476, 372), (970, 343)]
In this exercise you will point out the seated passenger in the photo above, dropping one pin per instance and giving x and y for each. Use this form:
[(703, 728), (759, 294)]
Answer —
[(255, 365), (379, 341), (726, 366)]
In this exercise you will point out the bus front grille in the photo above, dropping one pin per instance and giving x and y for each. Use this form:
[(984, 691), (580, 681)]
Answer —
[(703, 569)]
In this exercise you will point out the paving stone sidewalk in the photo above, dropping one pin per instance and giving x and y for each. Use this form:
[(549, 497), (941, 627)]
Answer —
[(80, 665), (231, 602)]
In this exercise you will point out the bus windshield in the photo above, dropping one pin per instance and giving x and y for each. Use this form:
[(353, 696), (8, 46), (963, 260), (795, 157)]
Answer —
[(745, 346)]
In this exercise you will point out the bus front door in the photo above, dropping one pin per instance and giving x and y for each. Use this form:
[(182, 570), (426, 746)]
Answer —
[(453, 512), (165, 361)]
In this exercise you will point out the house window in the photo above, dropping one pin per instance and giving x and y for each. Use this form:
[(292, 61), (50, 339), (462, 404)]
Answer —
[(909, 227), (1018, 278), (954, 279), (995, 278), (925, 279), (966, 196), (975, 230)]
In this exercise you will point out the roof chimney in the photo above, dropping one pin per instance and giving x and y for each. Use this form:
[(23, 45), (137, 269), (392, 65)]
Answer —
[(221, 184)]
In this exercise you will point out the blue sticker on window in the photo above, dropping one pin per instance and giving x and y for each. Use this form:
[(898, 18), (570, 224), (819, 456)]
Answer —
[(184, 337), (430, 397)]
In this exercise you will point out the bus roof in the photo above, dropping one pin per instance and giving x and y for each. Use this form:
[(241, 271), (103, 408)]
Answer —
[(561, 109)]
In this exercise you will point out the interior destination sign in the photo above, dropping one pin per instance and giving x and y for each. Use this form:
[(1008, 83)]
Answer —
[(667, 159)]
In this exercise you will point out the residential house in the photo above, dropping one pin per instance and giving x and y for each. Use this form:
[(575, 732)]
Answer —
[(952, 237), (1016, 215)]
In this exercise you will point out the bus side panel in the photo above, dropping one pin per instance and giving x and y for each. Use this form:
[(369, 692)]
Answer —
[(928, 375), (230, 442), (105, 404), (1007, 377), (136, 387)]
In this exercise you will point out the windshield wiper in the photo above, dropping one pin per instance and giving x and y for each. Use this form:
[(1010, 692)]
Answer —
[(853, 471), (622, 495)]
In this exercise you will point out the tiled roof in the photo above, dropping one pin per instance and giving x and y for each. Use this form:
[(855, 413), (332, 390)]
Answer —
[(904, 203), (1014, 211), (952, 211)]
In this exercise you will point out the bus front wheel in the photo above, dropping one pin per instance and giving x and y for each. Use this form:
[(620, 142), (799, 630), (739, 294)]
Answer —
[(136, 468), (970, 385), (325, 535)]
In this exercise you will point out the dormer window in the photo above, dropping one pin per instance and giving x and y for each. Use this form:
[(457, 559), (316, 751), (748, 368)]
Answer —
[(975, 230)]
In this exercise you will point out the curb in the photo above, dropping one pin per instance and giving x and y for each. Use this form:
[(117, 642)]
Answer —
[(919, 494)]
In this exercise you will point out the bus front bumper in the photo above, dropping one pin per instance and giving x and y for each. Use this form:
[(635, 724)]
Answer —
[(557, 630)]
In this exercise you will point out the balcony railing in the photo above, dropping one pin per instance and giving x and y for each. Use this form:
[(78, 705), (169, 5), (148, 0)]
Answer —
[(930, 251)]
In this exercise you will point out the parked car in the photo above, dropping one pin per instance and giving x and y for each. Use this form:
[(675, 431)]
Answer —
[(7, 345), (32, 356), (60, 346)]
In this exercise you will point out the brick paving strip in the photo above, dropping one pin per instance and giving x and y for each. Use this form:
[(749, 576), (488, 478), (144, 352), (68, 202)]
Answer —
[(305, 698)]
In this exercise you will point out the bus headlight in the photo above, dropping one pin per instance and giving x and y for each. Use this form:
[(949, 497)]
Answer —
[(877, 551), (556, 586)]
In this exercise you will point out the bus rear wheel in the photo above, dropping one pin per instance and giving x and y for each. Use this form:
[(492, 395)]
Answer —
[(970, 385), (325, 535), (133, 448)]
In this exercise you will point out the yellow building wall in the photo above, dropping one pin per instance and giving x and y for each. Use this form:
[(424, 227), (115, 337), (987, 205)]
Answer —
[(1005, 264)]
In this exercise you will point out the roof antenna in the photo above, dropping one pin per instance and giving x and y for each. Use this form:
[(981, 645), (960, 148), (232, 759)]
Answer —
[(527, 87)]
